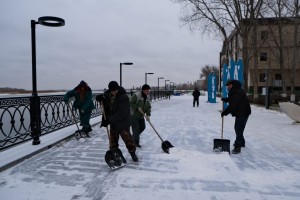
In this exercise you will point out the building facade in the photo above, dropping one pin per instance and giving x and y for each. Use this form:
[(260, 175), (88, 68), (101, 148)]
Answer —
[(270, 50)]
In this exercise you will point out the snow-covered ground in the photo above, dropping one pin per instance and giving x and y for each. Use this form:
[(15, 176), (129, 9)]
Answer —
[(268, 168)]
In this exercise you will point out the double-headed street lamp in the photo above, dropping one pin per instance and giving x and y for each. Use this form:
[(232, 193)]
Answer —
[(166, 84), (35, 105), (146, 77), (126, 63)]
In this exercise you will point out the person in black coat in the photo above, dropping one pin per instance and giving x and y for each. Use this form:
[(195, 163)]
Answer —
[(117, 110), (239, 107), (196, 95)]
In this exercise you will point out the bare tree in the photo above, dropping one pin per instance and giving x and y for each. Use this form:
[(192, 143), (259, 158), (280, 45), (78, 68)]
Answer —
[(221, 18), (285, 12), (205, 71)]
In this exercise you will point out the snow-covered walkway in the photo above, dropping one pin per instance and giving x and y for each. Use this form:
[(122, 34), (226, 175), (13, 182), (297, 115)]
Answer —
[(268, 168)]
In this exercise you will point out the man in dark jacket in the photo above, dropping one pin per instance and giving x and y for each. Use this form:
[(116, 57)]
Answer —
[(196, 95), (117, 110), (239, 107)]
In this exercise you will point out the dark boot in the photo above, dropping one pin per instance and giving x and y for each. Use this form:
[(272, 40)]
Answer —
[(236, 150), (243, 145), (134, 157), (137, 144)]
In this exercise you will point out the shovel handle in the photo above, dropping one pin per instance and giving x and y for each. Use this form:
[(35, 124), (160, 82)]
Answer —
[(151, 125), (104, 116), (222, 127), (73, 115)]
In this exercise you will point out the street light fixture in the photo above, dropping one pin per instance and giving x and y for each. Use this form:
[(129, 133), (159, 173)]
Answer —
[(126, 63), (146, 76), (166, 84), (35, 105)]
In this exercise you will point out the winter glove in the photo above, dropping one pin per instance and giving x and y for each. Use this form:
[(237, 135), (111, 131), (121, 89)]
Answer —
[(222, 114), (100, 97), (147, 118), (82, 111), (140, 110), (104, 123), (224, 99)]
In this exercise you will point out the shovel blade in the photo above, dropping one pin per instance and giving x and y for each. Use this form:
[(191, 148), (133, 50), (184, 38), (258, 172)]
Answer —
[(114, 159), (221, 145), (166, 145)]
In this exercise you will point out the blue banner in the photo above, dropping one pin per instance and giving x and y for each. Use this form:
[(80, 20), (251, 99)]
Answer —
[(235, 71), (212, 88), (225, 77)]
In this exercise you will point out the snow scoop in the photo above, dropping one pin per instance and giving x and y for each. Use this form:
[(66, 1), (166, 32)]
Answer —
[(221, 145), (165, 145), (114, 159), (78, 134)]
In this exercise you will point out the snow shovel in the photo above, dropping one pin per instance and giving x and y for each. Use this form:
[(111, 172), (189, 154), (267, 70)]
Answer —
[(114, 159), (78, 134), (165, 145), (221, 145)]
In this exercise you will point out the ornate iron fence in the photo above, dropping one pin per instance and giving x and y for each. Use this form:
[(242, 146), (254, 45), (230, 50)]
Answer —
[(16, 114), (27, 118)]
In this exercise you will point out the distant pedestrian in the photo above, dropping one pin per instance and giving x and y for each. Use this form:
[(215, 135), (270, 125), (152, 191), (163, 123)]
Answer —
[(196, 95), (239, 107), (83, 102), (117, 110), (168, 94), (139, 103)]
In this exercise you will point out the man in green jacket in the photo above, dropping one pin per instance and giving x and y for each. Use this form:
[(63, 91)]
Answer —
[(139, 103), (83, 102)]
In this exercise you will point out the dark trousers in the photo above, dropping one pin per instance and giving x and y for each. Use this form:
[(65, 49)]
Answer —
[(138, 126), (196, 101), (126, 137), (85, 119), (239, 127)]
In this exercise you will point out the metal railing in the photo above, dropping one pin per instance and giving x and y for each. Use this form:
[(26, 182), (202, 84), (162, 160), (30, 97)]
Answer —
[(16, 118), (20, 121)]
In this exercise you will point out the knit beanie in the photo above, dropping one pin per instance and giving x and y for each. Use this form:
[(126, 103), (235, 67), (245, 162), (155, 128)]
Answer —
[(146, 87), (113, 85)]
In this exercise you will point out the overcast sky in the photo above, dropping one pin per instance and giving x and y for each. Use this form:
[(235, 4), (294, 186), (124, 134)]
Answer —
[(98, 35)]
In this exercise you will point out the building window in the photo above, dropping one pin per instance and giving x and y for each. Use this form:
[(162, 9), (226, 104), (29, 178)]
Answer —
[(277, 76), (262, 77), (263, 56), (264, 35)]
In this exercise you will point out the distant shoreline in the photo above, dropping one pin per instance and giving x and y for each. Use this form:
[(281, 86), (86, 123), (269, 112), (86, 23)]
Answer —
[(17, 91)]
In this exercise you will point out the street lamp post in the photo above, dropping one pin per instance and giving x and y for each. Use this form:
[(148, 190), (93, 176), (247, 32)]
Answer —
[(158, 85), (170, 85), (146, 77), (166, 84), (126, 63), (35, 101)]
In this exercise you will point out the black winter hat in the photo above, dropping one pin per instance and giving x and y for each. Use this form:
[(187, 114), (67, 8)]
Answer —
[(145, 87), (113, 85)]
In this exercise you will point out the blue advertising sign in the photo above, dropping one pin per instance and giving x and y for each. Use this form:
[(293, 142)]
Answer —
[(234, 72), (225, 77), (212, 88)]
